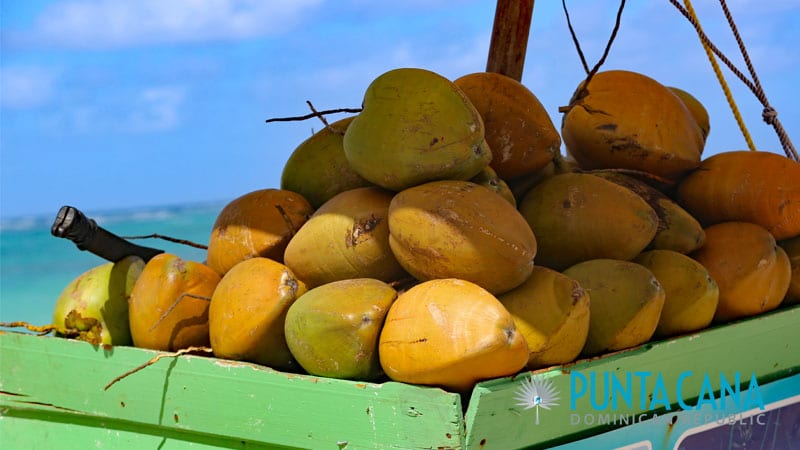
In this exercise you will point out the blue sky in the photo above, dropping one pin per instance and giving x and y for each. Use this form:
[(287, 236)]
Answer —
[(114, 104)]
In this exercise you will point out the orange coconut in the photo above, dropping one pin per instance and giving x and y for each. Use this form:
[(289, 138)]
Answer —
[(168, 307), (259, 223), (753, 273), (792, 248), (757, 187), (627, 120), (248, 310)]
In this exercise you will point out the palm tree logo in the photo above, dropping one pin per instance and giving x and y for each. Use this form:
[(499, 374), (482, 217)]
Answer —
[(537, 392)]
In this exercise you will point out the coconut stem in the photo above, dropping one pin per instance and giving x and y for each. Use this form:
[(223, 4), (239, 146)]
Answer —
[(174, 304), (168, 238), (41, 330), (155, 359)]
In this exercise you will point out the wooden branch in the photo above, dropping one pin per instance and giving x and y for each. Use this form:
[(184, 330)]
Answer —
[(512, 23)]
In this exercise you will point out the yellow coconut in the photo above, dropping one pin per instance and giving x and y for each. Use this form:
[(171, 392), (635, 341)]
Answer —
[(458, 229), (247, 313), (626, 301), (450, 333), (552, 311), (347, 237), (677, 229), (691, 295)]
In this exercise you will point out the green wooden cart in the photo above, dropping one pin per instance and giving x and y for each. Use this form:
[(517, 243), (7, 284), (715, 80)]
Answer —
[(728, 385), (52, 395)]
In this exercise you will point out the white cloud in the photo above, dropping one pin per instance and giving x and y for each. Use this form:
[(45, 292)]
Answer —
[(25, 87), (156, 109), (115, 23), (146, 110)]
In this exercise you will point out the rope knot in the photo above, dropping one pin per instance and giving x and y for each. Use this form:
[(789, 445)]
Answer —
[(769, 115)]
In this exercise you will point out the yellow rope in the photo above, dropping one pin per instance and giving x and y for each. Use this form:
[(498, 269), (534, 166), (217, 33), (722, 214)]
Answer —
[(722, 82)]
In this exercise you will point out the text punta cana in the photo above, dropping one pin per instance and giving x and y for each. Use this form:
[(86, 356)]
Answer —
[(608, 391)]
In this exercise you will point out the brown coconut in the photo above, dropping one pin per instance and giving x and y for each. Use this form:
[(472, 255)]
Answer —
[(518, 129), (579, 216)]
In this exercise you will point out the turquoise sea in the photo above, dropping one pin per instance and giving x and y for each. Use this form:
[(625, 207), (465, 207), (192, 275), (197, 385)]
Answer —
[(36, 266)]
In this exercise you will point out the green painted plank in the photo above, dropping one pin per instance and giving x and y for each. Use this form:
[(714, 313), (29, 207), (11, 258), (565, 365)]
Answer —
[(768, 345), (43, 429), (52, 391), (206, 400)]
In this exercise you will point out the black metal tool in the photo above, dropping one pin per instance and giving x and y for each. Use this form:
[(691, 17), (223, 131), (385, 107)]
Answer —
[(72, 224)]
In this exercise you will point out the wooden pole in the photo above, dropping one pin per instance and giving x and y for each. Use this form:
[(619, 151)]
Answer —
[(512, 23)]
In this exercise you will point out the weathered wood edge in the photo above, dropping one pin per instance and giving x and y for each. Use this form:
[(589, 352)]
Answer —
[(197, 398)]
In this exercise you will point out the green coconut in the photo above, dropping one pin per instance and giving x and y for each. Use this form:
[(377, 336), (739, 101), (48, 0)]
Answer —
[(415, 126), (95, 304), (347, 237), (317, 169), (333, 329)]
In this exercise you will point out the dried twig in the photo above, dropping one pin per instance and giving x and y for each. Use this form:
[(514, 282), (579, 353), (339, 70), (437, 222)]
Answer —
[(314, 114), (168, 238), (155, 359), (593, 71), (288, 220), (174, 304), (41, 330)]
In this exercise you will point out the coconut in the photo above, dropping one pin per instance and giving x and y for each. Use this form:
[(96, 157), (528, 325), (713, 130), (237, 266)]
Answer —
[(578, 217), (458, 229), (347, 237)]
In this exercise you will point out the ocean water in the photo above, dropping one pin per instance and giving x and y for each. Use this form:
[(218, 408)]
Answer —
[(35, 266)]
